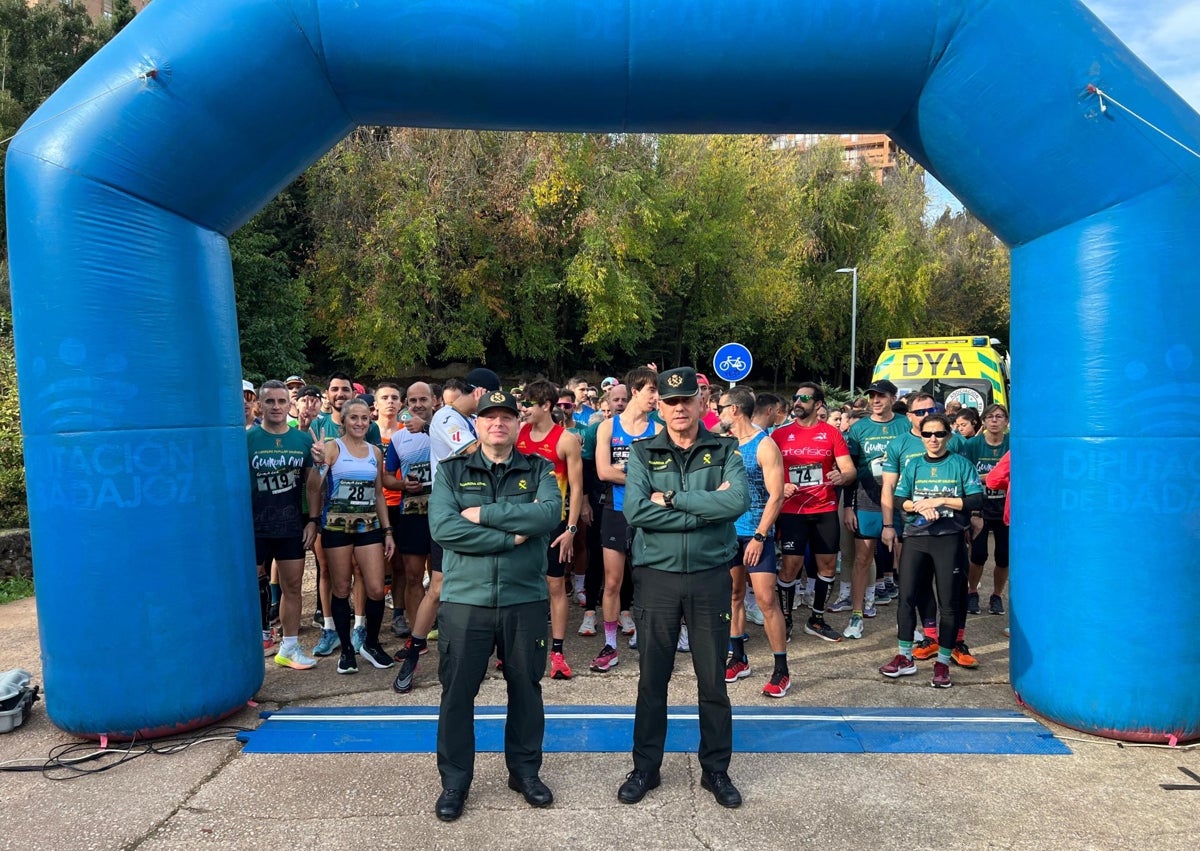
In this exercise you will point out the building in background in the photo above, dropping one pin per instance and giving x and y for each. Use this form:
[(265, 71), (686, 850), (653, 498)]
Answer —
[(99, 9), (875, 149)]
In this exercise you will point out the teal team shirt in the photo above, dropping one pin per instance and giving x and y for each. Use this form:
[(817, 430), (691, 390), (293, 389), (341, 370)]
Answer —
[(925, 477), (868, 442), (278, 475), (985, 456)]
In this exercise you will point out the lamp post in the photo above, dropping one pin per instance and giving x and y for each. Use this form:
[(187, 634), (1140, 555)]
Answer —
[(852, 270)]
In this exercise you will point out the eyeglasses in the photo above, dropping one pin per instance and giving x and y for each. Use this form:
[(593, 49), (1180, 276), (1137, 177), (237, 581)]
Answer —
[(802, 397), (995, 417), (566, 406), (935, 435), (923, 412)]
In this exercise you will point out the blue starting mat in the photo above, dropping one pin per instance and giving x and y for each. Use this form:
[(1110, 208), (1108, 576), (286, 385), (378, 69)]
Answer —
[(609, 729)]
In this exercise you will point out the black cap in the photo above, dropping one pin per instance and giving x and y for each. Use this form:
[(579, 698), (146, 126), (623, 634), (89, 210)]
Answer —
[(882, 386), (310, 390), (483, 377), (496, 399), (678, 383)]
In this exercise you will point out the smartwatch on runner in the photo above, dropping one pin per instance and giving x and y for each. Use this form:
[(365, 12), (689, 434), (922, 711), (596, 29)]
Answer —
[(572, 528), (760, 537), (669, 499)]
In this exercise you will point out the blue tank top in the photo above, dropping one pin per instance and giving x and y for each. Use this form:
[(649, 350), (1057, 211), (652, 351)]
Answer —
[(350, 500), (747, 524), (621, 441)]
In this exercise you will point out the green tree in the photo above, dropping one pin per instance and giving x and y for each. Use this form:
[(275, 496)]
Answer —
[(13, 510)]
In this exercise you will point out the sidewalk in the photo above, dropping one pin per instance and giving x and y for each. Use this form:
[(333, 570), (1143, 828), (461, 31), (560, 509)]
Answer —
[(213, 796)]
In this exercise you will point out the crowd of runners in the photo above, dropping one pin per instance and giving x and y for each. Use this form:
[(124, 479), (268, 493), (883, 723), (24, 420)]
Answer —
[(852, 508)]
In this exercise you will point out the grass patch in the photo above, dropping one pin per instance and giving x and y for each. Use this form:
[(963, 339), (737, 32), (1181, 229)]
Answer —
[(15, 588)]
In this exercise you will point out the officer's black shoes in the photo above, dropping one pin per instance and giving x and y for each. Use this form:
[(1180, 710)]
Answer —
[(450, 804), (537, 793), (722, 787), (637, 784), (406, 676)]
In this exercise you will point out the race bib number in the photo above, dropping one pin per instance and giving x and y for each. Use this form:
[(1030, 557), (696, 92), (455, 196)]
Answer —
[(807, 475), (993, 493), (277, 482), (353, 495), (418, 503)]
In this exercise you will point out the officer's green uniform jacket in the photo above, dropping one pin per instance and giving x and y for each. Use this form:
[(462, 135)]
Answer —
[(697, 534), (481, 565)]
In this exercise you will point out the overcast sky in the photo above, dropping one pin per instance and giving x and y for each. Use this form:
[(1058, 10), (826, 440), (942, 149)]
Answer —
[(1165, 34)]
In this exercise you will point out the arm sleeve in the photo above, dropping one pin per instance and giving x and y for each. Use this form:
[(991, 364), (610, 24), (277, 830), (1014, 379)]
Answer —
[(720, 506), (639, 510), (527, 518), (973, 501), (454, 532)]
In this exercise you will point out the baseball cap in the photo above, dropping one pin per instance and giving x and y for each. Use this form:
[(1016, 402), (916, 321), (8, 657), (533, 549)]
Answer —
[(293, 379), (311, 390), (496, 399), (678, 383), (608, 382), (882, 386), (248, 387), (483, 377), (702, 379), (359, 389)]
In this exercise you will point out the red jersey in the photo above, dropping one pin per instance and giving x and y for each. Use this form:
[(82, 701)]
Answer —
[(808, 458), (547, 447)]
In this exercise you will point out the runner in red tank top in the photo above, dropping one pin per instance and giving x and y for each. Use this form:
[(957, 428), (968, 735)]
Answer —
[(540, 435)]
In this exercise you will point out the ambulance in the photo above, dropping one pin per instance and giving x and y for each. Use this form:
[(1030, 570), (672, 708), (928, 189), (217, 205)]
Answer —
[(969, 370)]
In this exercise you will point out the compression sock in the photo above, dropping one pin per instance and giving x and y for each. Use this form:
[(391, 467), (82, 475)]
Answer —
[(786, 592), (821, 594), (276, 591), (374, 620), (739, 649), (341, 619)]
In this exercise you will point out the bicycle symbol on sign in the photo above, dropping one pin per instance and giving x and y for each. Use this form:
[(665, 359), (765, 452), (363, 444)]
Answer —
[(731, 362)]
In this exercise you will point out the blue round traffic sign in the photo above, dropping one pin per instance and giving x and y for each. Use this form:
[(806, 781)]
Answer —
[(732, 362)]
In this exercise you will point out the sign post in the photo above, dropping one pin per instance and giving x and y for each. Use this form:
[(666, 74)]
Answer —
[(733, 362)]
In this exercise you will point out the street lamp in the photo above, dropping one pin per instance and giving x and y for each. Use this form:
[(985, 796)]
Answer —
[(852, 270)]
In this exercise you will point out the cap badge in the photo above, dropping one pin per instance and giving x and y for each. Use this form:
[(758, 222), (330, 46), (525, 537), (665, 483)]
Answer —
[(675, 380), (496, 397)]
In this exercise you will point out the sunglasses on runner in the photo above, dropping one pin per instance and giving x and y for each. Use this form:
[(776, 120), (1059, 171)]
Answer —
[(567, 406), (939, 435), (802, 397), (525, 403), (721, 407), (923, 412)]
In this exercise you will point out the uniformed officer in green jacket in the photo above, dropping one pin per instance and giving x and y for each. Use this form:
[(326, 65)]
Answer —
[(684, 488), (492, 512)]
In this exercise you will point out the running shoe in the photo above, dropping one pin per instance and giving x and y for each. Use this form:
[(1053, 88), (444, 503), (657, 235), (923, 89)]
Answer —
[(377, 656), (854, 629), (900, 666), (581, 599), (842, 605), (559, 669), (1007, 634), (328, 643), (433, 633), (893, 590), (882, 597), (941, 676), (736, 670), (925, 649), (319, 619), (606, 660), (996, 605), (400, 625), (270, 642), (358, 637), (387, 599), (588, 627), (348, 662), (405, 677), (778, 685), (683, 646), (973, 603), (818, 627), (633, 641), (961, 654), (294, 658), (754, 614), (869, 610), (402, 653), (626, 622)]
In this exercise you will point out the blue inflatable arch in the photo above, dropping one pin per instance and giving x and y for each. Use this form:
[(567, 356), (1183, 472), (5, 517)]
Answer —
[(125, 185)]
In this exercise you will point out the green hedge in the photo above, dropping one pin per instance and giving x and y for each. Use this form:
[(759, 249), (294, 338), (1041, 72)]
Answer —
[(14, 512)]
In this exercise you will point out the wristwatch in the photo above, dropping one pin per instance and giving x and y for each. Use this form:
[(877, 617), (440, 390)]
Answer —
[(572, 528), (760, 537), (669, 499)]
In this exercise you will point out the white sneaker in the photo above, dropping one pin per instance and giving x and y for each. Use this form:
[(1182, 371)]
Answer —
[(754, 614), (684, 646), (588, 627), (633, 641), (855, 628), (580, 598), (626, 622), (294, 658)]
